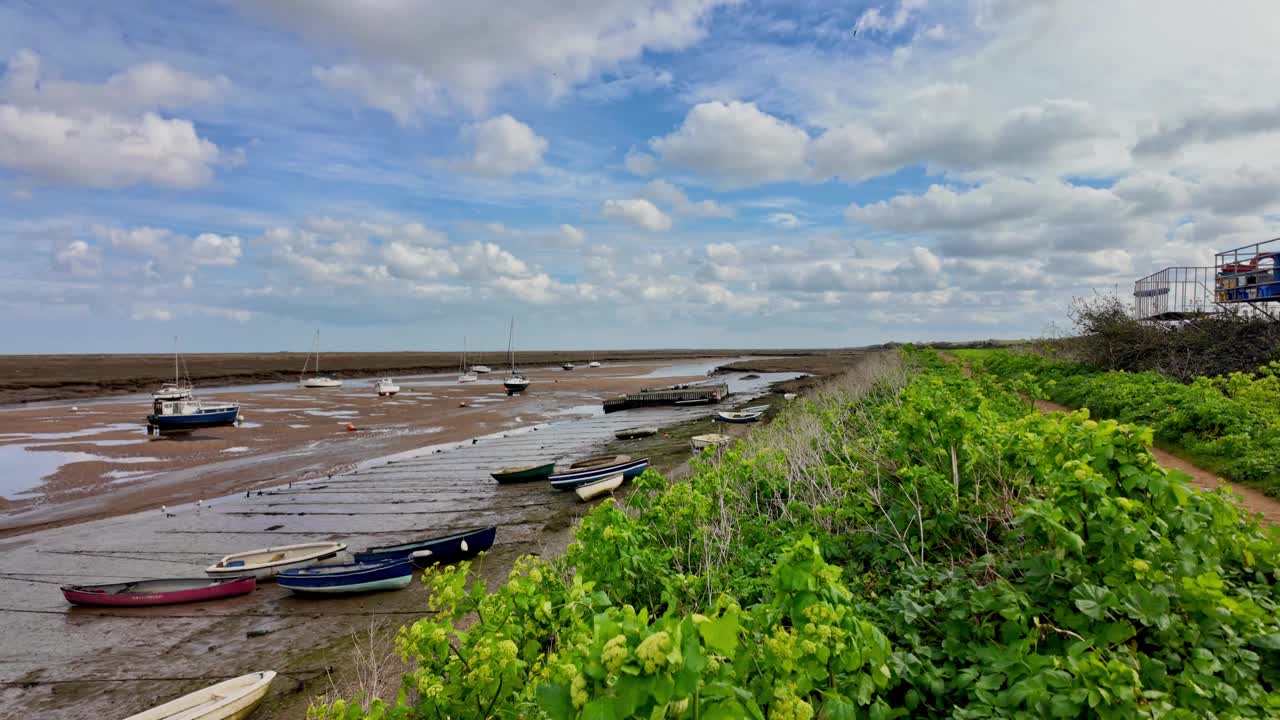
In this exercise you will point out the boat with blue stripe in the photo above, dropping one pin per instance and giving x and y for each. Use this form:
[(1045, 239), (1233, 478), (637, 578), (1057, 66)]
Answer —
[(349, 578), (578, 477), (438, 550), (175, 416)]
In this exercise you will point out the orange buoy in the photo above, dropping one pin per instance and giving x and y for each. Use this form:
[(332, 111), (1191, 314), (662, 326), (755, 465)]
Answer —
[(350, 427)]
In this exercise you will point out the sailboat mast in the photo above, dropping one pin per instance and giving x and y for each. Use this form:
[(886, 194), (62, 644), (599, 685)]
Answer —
[(176, 381), (511, 351)]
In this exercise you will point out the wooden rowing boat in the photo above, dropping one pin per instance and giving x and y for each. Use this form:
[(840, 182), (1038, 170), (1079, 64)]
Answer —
[(264, 564), (523, 474), (739, 417), (158, 592), (232, 699), (573, 479), (636, 433), (709, 440), (357, 577), (599, 460), (599, 487), (444, 549)]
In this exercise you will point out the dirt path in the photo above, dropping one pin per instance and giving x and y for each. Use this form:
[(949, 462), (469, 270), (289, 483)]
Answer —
[(1248, 498)]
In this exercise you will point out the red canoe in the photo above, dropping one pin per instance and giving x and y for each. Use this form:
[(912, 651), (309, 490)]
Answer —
[(158, 592)]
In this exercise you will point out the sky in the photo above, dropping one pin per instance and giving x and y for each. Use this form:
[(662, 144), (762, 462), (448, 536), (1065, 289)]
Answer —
[(402, 174)]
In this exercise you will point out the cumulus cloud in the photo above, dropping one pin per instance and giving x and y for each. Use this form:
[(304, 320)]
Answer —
[(1212, 123), (661, 191), (104, 135), (77, 258), (640, 163), (503, 146), (637, 212), (402, 92), (470, 50), (737, 144), (786, 221)]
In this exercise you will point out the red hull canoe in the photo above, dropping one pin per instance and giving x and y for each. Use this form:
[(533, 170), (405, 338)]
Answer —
[(157, 592)]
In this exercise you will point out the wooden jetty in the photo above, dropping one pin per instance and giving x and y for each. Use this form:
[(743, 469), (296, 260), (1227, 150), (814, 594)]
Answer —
[(668, 396)]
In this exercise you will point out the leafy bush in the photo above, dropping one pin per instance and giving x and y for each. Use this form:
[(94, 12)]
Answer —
[(913, 544), (1229, 424)]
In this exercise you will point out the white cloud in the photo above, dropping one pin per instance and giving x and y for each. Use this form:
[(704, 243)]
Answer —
[(469, 50), (737, 144), (503, 146), (77, 258), (488, 260), (637, 212), (571, 236), (413, 262), (640, 163), (402, 92), (661, 191), (216, 250), (82, 133), (786, 221)]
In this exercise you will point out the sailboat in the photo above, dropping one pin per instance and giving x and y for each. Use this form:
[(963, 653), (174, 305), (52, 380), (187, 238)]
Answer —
[(516, 383), (465, 376), (594, 362), (317, 380), (180, 388)]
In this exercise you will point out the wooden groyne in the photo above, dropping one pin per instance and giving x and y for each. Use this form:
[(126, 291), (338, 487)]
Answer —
[(669, 396)]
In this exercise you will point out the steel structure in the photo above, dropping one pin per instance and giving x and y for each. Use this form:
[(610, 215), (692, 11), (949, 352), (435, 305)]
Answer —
[(1249, 276), (1174, 293)]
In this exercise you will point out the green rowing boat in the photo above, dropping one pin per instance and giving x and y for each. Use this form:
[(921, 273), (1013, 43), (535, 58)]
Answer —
[(527, 473)]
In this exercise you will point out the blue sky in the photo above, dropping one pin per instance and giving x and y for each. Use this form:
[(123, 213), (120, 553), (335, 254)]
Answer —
[(615, 173)]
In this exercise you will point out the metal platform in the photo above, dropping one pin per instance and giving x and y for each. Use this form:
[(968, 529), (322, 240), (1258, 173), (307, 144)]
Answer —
[(1249, 276), (669, 396)]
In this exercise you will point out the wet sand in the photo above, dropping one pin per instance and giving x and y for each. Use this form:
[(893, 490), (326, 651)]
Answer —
[(58, 661), (69, 466)]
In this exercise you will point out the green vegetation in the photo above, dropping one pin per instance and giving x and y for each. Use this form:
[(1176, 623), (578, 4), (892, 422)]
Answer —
[(910, 543), (976, 353), (1230, 425)]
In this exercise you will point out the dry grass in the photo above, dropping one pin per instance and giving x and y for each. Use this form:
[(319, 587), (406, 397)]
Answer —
[(374, 669)]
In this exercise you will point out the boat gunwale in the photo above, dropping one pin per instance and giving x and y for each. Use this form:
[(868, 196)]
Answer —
[(333, 548), (390, 549)]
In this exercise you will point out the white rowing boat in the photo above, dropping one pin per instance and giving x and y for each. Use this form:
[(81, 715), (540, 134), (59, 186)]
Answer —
[(232, 699), (268, 562), (710, 440), (599, 487)]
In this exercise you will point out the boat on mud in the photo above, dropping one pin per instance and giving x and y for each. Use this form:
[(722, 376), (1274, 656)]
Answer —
[(525, 473), (599, 487), (317, 380), (158, 592), (741, 416), (516, 382), (180, 416), (700, 442), (357, 577), (268, 562), (577, 476), (232, 699), (430, 551), (635, 433), (386, 387)]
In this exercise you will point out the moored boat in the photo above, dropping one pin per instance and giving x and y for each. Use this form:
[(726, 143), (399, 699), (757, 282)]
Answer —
[(709, 440), (599, 487), (568, 366), (178, 416), (742, 416), (575, 478), (481, 369), (357, 577), (158, 592), (232, 699), (516, 383), (429, 551), (317, 380), (463, 375), (598, 460), (267, 562), (386, 387), (523, 474), (180, 388), (593, 364), (636, 433)]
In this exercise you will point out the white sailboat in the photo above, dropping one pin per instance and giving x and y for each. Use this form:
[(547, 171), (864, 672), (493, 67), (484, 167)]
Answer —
[(516, 383), (465, 376), (594, 362), (180, 388), (317, 380)]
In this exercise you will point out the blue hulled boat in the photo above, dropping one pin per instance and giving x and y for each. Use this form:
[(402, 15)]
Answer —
[(350, 578), (578, 477), (175, 416), (437, 550)]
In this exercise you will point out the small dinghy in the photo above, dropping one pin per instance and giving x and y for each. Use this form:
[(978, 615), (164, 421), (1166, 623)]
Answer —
[(636, 433), (267, 562), (599, 487), (568, 366), (446, 549), (386, 387), (597, 460), (232, 699), (357, 577), (523, 474), (710, 440), (577, 476), (158, 592), (739, 417)]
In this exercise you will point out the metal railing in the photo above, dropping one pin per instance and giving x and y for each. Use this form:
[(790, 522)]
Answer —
[(1174, 293)]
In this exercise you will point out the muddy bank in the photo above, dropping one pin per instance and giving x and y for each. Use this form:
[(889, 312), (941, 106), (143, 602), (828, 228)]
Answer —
[(39, 378)]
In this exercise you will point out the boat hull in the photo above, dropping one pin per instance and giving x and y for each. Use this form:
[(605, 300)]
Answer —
[(357, 577), (524, 474), (320, 383), (266, 563), (577, 478), (220, 417), (739, 418), (447, 549), (598, 488), (139, 594), (636, 433), (700, 442), (232, 699), (515, 386)]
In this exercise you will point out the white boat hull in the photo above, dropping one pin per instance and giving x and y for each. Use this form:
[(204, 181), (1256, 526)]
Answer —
[(266, 563), (232, 699), (705, 441), (482, 369), (386, 388), (467, 377), (320, 382), (599, 487)]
